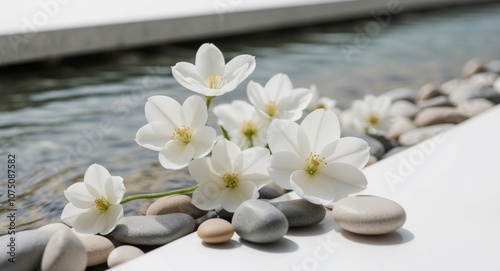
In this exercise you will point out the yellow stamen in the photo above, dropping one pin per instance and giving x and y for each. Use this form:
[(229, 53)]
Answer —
[(249, 129), (230, 179), (183, 134), (215, 81), (373, 119), (313, 163), (271, 109), (102, 203)]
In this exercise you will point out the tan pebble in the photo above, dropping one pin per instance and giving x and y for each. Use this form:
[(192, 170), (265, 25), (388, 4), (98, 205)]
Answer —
[(417, 135), (123, 254), (175, 204), (427, 91), (472, 67), (474, 107), (401, 125), (214, 231), (369, 215), (438, 115), (97, 247)]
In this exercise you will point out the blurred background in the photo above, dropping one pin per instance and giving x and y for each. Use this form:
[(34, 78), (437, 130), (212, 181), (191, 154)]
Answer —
[(60, 115)]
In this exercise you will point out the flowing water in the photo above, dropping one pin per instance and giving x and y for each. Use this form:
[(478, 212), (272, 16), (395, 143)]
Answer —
[(60, 118)]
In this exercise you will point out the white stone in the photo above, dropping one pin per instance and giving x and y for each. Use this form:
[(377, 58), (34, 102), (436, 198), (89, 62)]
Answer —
[(415, 136), (123, 254), (403, 108), (53, 227), (97, 247), (64, 252)]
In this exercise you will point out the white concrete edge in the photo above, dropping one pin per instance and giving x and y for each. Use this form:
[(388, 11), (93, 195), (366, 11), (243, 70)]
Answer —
[(31, 46)]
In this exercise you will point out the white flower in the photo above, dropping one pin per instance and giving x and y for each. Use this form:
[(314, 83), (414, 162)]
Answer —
[(321, 102), (313, 160), (278, 100), (229, 177), (177, 132), (211, 76), (94, 205), (244, 125), (372, 115)]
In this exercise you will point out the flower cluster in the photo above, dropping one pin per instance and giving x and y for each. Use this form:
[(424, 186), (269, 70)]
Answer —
[(261, 142)]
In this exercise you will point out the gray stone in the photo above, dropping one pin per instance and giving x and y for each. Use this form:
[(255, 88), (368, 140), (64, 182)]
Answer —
[(472, 67), (490, 94), (53, 227), (436, 101), (175, 204), (420, 134), (438, 115), (97, 248), (401, 94), (393, 151), (426, 92), (376, 147), (400, 126), (64, 252), (271, 191), (153, 229), (259, 222), (301, 212), (369, 215), (471, 108), (29, 247), (403, 108), (493, 66), (123, 254), (388, 143), (448, 87)]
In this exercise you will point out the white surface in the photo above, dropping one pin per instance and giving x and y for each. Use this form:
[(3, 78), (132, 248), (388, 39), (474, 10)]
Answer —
[(38, 29), (449, 186)]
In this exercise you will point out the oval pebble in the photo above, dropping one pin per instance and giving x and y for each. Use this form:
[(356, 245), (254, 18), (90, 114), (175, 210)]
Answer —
[(259, 222), (369, 215), (301, 213), (175, 204), (123, 254), (215, 231), (97, 247), (28, 253), (64, 252), (53, 227)]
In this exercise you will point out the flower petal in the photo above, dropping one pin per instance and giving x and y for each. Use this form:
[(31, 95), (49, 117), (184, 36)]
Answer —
[(224, 154), (278, 87), (115, 189), (70, 213), (257, 95), (282, 165), (79, 196), (322, 128), (254, 166), (95, 176), (232, 198), (187, 75), (176, 154), (194, 112), (201, 170), (113, 215), (285, 135), (209, 60), (154, 135), (349, 150), (207, 195), (347, 179), (203, 140), (239, 68), (92, 221), (163, 109), (299, 100), (317, 189)]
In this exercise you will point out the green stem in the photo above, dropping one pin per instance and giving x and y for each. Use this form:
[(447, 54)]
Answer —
[(224, 132), (159, 195), (209, 100)]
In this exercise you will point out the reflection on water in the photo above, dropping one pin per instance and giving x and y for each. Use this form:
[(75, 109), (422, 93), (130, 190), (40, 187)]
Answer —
[(60, 119)]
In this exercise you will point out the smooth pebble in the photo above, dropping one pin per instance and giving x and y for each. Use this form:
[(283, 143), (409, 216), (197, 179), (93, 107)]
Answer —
[(271, 191), (53, 227), (400, 126), (420, 134), (175, 204), (438, 115), (472, 67), (401, 94), (436, 101), (403, 108), (259, 222), (301, 213), (64, 252), (29, 246), (215, 231), (97, 247), (426, 92), (153, 229), (123, 254), (369, 215), (471, 108)]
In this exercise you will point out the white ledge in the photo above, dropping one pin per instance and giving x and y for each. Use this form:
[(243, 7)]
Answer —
[(55, 28)]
